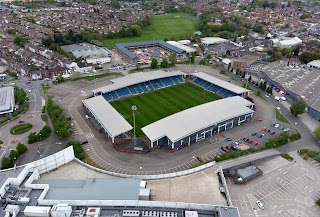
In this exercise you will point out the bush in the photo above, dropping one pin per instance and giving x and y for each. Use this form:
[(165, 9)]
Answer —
[(13, 155), (318, 202), (302, 151), (1, 142), (43, 110), (21, 128), (6, 163), (44, 118), (295, 136), (77, 148), (42, 135), (305, 158), (21, 148), (287, 156), (33, 137)]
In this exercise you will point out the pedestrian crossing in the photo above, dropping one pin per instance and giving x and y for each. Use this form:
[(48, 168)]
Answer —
[(88, 136)]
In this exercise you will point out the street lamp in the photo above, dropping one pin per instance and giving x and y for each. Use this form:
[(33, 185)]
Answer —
[(134, 108)]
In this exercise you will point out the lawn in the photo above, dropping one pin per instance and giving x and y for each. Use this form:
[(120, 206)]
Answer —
[(280, 117), (161, 103), (170, 26)]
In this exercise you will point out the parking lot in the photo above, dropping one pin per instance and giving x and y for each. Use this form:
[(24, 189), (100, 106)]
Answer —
[(285, 189)]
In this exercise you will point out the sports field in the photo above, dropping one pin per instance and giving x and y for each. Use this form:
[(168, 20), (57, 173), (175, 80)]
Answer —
[(162, 26), (161, 103)]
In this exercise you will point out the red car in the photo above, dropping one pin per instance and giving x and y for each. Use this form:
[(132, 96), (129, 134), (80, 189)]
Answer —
[(263, 129), (256, 143), (243, 138), (259, 119), (250, 141), (199, 159)]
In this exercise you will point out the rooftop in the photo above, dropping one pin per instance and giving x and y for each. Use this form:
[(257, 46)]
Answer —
[(177, 126), (108, 117), (6, 99), (92, 189), (135, 78), (212, 40)]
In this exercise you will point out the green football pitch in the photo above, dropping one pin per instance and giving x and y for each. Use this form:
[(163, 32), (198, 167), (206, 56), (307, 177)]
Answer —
[(161, 103)]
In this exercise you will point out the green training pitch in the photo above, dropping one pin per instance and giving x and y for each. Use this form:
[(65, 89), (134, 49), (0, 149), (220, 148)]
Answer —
[(161, 103), (170, 26)]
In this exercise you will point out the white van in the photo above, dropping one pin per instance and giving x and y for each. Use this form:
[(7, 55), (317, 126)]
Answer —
[(277, 98), (283, 98), (260, 205)]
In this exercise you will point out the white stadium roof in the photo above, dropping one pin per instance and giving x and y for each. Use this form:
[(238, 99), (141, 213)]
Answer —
[(184, 123), (212, 40), (107, 116), (6, 99), (221, 83), (135, 78), (186, 48)]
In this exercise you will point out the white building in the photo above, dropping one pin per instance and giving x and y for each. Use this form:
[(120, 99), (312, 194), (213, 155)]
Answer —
[(212, 40), (286, 43), (7, 100), (314, 64)]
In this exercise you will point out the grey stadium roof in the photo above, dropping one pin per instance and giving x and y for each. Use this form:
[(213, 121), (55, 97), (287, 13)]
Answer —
[(184, 123), (6, 99), (135, 78), (92, 189), (123, 47), (221, 83), (107, 116)]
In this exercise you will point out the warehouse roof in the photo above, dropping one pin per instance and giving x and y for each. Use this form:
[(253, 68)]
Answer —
[(92, 189), (135, 78), (221, 83), (186, 48), (6, 99), (184, 123), (212, 40), (107, 116), (123, 47)]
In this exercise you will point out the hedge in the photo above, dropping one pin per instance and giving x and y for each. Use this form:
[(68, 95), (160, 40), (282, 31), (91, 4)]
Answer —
[(77, 148), (21, 128), (287, 156), (44, 133)]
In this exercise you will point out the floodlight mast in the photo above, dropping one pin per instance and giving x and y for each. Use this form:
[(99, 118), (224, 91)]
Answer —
[(134, 108)]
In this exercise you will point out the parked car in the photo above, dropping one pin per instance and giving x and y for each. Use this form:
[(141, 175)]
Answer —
[(261, 135), (235, 148), (259, 119), (21, 121), (281, 127), (286, 129), (228, 139), (272, 133), (84, 142), (276, 125), (263, 129), (253, 134), (236, 143), (268, 130), (255, 143), (228, 147), (224, 148), (199, 159), (260, 205)]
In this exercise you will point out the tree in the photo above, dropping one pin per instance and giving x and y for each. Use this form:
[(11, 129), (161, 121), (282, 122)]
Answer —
[(209, 57), (11, 31), (13, 155), (193, 56), (77, 148), (243, 75), (259, 93), (202, 62), (298, 108), (21, 148), (296, 51), (250, 78), (154, 63), (20, 40), (173, 58), (33, 137), (6, 163), (201, 46), (317, 133), (136, 30), (164, 63)]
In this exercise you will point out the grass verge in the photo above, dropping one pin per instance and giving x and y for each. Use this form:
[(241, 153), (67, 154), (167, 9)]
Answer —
[(287, 156), (21, 128), (280, 117), (44, 118)]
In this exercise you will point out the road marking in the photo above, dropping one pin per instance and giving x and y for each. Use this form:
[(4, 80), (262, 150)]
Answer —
[(88, 136)]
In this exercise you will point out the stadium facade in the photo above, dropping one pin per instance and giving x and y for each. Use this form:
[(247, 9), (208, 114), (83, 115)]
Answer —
[(177, 130)]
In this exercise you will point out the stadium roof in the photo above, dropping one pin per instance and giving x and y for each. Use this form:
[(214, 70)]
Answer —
[(91, 52), (92, 189), (212, 40), (184, 123), (6, 99), (123, 47), (135, 78), (186, 48), (287, 42), (221, 83), (107, 116)]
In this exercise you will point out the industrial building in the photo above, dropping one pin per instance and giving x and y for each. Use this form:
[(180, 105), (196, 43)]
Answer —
[(24, 193), (7, 103), (242, 62)]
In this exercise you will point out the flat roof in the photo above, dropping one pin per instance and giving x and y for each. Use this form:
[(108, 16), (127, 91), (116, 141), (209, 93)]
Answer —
[(314, 63), (92, 189), (184, 123), (221, 83), (135, 78), (124, 46), (212, 40), (9, 173), (6, 99), (182, 46), (107, 116)]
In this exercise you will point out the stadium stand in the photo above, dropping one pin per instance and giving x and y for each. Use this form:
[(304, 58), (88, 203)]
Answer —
[(218, 86)]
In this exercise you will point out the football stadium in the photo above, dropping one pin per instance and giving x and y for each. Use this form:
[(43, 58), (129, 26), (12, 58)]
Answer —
[(172, 109)]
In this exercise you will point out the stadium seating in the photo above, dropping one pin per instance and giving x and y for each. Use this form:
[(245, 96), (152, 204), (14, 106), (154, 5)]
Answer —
[(167, 81), (123, 92), (114, 95)]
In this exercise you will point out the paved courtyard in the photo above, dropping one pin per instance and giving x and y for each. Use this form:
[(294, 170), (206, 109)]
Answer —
[(285, 189)]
